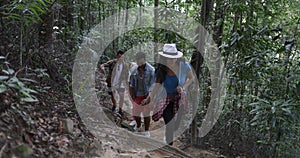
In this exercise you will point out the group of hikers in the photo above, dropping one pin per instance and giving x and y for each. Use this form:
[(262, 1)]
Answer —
[(172, 74)]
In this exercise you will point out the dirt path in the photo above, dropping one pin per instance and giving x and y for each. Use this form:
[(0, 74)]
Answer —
[(156, 139)]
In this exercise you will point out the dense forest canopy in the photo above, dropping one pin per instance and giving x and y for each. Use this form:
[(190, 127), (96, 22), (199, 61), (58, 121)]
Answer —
[(258, 41)]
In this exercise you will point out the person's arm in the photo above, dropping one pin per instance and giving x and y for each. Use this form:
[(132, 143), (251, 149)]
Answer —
[(152, 93), (190, 78), (152, 80), (106, 64), (131, 86), (102, 66), (154, 88), (132, 93), (126, 78)]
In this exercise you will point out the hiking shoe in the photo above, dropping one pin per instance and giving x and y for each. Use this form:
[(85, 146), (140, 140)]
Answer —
[(113, 109), (132, 123), (121, 113), (138, 129), (147, 134)]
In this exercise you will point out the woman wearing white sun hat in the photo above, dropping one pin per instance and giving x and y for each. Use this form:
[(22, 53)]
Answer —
[(174, 75)]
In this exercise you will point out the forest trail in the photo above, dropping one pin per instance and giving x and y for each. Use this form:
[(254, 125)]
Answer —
[(53, 128)]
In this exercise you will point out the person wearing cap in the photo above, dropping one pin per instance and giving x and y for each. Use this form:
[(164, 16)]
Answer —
[(117, 79), (174, 75), (141, 80)]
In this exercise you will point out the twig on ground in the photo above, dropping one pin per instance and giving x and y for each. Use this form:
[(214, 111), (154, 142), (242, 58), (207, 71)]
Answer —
[(2, 149)]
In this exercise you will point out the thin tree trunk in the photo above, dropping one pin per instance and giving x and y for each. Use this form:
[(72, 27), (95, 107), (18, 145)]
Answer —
[(140, 18), (88, 15), (155, 31), (103, 26), (119, 2), (113, 29), (219, 16), (126, 16)]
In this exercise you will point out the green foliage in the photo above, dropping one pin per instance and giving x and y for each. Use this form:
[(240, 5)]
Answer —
[(26, 11), (263, 64), (274, 121), (9, 80)]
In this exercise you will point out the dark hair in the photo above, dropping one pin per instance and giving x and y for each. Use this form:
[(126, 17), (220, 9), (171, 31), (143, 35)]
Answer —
[(161, 72), (140, 55), (120, 52), (163, 60), (161, 68)]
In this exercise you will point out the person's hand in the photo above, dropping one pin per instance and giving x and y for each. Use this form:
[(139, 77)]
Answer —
[(145, 101), (132, 98), (179, 89), (102, 68)]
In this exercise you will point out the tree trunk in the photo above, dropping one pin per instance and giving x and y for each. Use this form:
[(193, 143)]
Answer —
[(219, 19), (140, 20), (114, 49), (89, 17), (197, 58), (155, 31), (126, 16)]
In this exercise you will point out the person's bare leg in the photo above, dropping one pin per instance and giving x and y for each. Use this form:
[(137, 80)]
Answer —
[(138, 121), (121, 101), (113, 100), (147, 122)]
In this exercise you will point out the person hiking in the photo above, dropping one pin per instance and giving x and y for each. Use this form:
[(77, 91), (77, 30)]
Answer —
[(174, 75), (132, 67), (117, 79), (141, 80)]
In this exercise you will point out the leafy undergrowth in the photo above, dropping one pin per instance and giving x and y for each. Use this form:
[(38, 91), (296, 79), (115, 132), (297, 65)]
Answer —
[(36, 129)]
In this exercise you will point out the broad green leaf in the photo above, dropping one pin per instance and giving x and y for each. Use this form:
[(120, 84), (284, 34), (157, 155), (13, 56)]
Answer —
[(19, 7), (292, 78), (43, 2), (3, 88), (25, 93), (31, 19), (13, 80), (261, 141), (9, 71), (253, 124), (38, 8), (30, 90), (255, 103), (21, 84), (3, 78), (13, 86), (288, 111), (27, 79), (29, 99)]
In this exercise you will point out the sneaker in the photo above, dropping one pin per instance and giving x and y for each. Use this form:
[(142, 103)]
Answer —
[(113, 108), (147, 134), (132, 123), (138, 129), (121, 113)]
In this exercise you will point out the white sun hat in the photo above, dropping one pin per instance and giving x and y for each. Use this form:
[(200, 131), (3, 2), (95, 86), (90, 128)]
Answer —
[(170, 51)]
